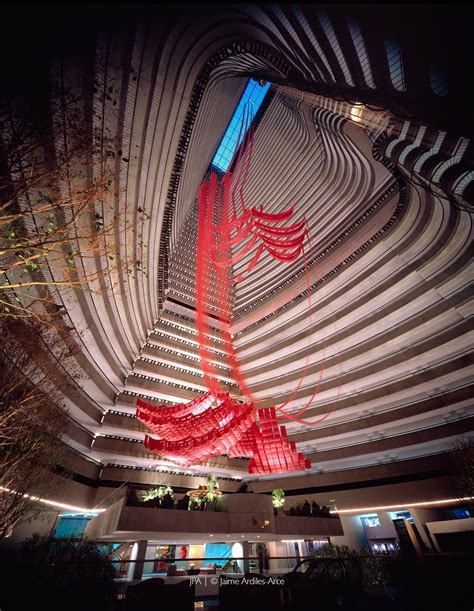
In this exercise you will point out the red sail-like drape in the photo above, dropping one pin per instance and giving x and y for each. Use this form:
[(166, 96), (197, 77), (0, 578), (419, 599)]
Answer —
[(217, 439), (229, 232)]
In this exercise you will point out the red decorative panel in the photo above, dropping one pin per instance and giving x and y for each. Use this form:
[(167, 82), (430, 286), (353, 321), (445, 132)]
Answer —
[(193, 438), (214, 424)]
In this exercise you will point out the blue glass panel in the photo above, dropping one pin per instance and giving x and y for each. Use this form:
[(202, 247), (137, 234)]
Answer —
[(217, 550), (460, 513), (252, 97), (71, 526), (405, 514)]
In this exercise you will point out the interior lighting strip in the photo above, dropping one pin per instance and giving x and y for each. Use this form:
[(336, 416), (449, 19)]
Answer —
[(52, 503), (402, 505)]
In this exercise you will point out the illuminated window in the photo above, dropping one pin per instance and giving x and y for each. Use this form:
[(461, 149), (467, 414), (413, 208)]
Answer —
[(406, 515), (395, 64), (252, 97), (72, 525), (459, 513), (359, 45), (370, 521)]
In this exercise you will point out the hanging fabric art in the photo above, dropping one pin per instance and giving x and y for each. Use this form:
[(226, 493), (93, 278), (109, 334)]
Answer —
[(191, 433), (222, 210), (229, 231)]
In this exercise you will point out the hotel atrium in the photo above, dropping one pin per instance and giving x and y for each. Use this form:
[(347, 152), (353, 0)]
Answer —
[(357, 118)]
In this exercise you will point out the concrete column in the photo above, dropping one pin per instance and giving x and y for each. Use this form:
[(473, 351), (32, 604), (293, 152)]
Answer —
[(275, 549), (240, 549), (246, 553), (138, 553), (354, 534), (385, 519), (420, 516)]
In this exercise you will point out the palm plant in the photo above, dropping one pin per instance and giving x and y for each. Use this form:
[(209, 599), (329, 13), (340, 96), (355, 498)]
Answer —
[(212, 488), (278, 498), (157, 493)]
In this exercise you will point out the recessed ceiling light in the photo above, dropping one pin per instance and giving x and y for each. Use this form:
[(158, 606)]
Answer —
[(211, 535)]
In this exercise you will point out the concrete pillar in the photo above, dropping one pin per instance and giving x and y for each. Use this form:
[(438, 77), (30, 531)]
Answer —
[(385, 519), (246, 554), (275, 549), (240, 549), (421, 516), (138, 553), (354, 534)]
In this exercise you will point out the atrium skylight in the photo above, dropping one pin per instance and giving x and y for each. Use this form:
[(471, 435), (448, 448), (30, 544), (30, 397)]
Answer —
[(252, 96)]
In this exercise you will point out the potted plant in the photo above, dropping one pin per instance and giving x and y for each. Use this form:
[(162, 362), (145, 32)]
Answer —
[(196, 503), (206, 496), (60, 574), (192, 570), (163, 494), (212, 494), (278, 500)]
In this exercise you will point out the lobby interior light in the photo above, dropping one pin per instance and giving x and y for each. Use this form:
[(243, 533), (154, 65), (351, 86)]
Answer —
[(356, 113), (394, 506), (50, 503)]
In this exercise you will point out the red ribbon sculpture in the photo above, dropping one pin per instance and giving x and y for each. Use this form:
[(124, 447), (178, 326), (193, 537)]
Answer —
[(191, 433), (214, 424), (252, 227)]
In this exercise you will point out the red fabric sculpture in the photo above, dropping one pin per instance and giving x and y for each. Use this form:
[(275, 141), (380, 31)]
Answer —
[(214, 424), (223, 200), (191, 433), (268, 447)]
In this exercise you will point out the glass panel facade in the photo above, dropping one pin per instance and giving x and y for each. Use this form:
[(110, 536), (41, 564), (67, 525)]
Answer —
[(404, 514), (71, 525), (252, 97)]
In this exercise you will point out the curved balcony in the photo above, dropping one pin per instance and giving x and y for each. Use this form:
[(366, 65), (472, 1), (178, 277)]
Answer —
[(240, 514)]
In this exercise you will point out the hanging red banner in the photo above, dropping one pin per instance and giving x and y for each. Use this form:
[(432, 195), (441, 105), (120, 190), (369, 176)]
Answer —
[(228, 231)]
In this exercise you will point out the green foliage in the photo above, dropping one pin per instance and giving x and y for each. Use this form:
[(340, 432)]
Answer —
[(336, 551), (207, 496), (212, 488), (64, 574), (31, 422), (195, 503), (462, 462), (371, 569), (278, 498), (156, 493), (374, 568)]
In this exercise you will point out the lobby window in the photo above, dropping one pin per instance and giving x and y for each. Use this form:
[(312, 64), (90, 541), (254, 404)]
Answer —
[(384, 547), (370, 521), (72, 525), (395, 64), (252, 97), (438, 81), (458, 513), (359, 45), (406, 515), (336, 47)]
